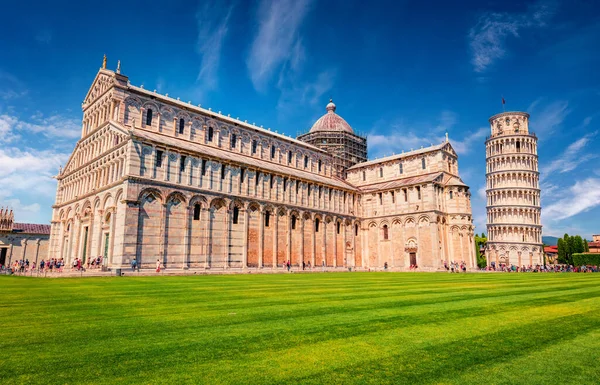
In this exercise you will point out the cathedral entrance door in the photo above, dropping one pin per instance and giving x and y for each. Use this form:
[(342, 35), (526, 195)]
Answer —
[(413, 259), (3, 256)]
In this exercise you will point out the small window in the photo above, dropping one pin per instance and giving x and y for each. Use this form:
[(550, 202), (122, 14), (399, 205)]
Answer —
[(308, 189), (159, 156), (297, 186), (293, 222), (518, 146), (203, 166), (267, 218), (401, 169), (222, 171), (381, 172), (418, 192), (356, 230), (305, 161), (393, 197), (271, 181), (236, 215), (364, 176), (339, 225), (320, 192), (284, 183), (317, 225), (289, 157), (385, 232), (380, 198), (182, 163), (405, 191), (242, 174), (451, 196), (423, 163), (330, 194), (197, 212), (233, 140), (272, 152), (181, 125), (320, 165), (149, 117), (254, 146), (210, 134)]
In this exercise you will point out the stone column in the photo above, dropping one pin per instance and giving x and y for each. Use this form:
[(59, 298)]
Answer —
[(261, 240), (314, 243), (37, 250), (245, 250), (163, 234), (206, 241), (302, 242), (186, 240), (344, 251), (227, 235), (324, 242), (276, 219), (288, 252), (335, 238)]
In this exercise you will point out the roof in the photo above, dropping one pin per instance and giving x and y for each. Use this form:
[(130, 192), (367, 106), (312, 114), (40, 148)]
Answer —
[(398, 183), (240, 158), (400, 156), (331, 121), (31, 228), (227, 119)]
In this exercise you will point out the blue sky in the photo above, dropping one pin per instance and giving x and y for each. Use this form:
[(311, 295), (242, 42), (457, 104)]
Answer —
[(401, 72)]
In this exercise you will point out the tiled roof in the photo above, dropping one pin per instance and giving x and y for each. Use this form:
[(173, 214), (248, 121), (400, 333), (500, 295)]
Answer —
[(243, 159), (551, 249), (397, 183), (400, 156), (331, 121), (31, 228)]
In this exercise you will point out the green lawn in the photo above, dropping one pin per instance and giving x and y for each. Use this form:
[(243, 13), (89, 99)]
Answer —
[(361, 328)]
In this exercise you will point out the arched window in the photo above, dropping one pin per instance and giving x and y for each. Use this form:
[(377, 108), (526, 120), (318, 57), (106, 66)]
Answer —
[(385, 232), (364, 176), (254, 146), (210, 134), (339, 225), (197, 212), (267, 218), (293, 222), (401, 169), (518, 146), (381, 172), (272, 151), (356, 230), (289, 157), (317, 225), (233, 140), (423, 163), (450, 194), (320, 165), (305, 161), (181, 125), (149, 117), (236, 215)]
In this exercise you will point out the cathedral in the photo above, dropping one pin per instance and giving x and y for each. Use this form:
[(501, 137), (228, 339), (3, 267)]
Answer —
[(155, 178)]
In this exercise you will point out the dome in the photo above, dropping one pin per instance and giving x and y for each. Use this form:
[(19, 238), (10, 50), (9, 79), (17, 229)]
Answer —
[(331, 121)]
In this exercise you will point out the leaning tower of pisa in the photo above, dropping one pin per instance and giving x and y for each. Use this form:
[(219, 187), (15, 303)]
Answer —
[(513, 192)]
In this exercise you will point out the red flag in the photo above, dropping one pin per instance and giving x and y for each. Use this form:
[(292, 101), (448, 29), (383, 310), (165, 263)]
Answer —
[(503, 101)]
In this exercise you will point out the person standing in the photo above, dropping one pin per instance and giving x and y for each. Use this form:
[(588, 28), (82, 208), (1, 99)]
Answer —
[(158, 265), (133, 264)]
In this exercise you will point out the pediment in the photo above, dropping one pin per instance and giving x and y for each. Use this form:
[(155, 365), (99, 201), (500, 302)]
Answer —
[(81, 155), (103, 81)]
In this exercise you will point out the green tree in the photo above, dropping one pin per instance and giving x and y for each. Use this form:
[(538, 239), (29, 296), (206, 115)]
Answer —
[(479, 243), (572, 247), (586, 247), (578, 245), (562, 251)]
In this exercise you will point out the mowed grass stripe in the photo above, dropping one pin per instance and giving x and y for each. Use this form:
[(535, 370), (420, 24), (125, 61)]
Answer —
[(184, 327)]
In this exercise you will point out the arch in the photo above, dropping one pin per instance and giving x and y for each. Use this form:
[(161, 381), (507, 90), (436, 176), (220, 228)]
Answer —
[(150, 191)]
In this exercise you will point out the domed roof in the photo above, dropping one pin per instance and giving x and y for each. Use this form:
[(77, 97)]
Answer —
[(331, 121)]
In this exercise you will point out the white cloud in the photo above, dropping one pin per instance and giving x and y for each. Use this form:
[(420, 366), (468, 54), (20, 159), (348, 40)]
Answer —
[(488, 37), (546, 120), (212, 20), (11, 87), (57, 127), (401, 138), (277, 42), (571, 157), (294, 93), (581, 197)]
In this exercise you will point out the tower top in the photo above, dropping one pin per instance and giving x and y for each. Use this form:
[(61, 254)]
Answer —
[(509, 123)]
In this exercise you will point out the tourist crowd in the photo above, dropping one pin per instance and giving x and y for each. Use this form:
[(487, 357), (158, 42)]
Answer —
[(542, 269), (55, 265)]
